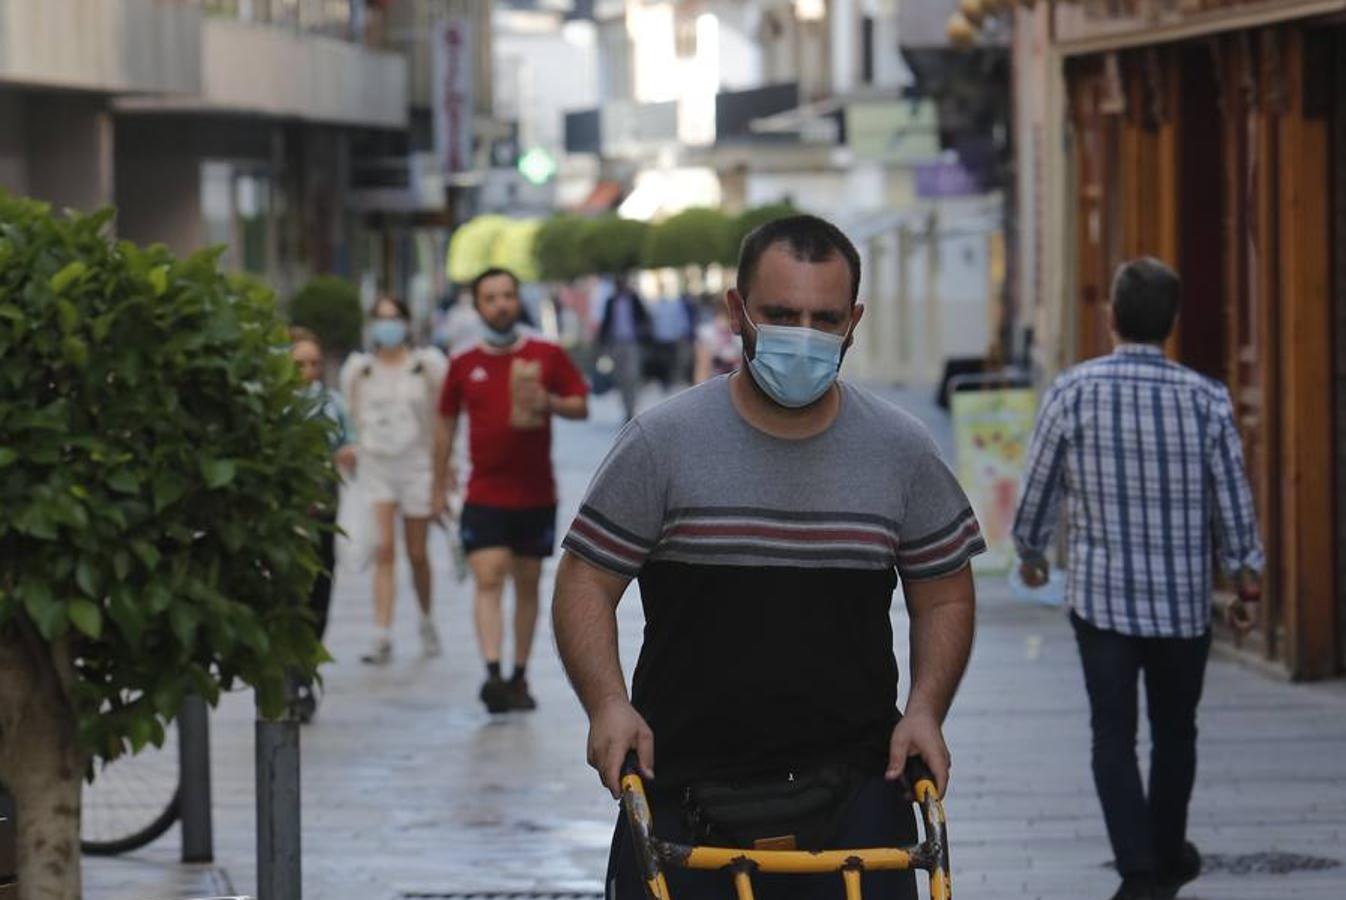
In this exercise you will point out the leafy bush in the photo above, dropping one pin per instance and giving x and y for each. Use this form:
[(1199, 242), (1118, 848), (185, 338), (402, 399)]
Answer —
[(558, 249), (157, 473), (748, 221), (694, 237), (612, 245), (330, 306), (472, 245)]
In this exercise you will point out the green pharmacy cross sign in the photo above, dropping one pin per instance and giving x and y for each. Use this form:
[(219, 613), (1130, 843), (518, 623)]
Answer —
[(537, 165)]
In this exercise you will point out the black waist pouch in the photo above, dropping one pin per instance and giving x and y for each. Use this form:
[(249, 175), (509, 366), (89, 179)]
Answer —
[(801, 811)]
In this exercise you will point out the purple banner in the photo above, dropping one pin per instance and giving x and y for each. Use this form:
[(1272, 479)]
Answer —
[(945, 179)]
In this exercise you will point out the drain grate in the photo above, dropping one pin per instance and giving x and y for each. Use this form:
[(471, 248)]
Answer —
[(1271, 863), (500, 895)]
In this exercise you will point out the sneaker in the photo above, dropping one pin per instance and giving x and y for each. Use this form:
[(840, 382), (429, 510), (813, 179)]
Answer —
[(519, 698), (495, 693), (1138, 887), (380, 655), (1188, 867), (430, 646)]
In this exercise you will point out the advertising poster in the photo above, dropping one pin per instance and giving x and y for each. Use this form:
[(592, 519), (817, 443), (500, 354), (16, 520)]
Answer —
[(991, 430)]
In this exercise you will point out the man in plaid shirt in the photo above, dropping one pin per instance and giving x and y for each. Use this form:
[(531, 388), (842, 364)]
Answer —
[(1147, 458)]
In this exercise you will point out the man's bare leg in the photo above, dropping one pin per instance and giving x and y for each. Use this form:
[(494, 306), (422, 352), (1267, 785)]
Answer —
[(526, 571), (490, 568)]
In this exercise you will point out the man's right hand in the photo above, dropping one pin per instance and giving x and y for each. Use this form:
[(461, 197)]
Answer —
[(614, 729), (439, 500)]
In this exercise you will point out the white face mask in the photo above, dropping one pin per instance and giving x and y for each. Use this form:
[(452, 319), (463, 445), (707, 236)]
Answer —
[(792, 364), (497, 338)]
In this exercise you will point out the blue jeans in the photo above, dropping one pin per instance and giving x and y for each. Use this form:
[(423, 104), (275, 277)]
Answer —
[(878, 816), (1147, 828)]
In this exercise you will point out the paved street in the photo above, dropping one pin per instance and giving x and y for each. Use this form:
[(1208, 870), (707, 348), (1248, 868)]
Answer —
[(410, 788)]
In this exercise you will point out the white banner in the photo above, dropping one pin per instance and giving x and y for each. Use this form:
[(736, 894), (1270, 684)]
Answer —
[(452, 98)]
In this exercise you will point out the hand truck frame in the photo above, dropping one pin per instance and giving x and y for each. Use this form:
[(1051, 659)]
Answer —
[(654, 854)]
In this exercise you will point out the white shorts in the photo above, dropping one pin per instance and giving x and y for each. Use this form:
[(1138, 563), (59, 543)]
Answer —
[(408, 482)]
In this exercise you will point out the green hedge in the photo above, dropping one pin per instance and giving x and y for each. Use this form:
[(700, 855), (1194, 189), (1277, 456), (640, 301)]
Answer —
[(330, 307), (694, 237)]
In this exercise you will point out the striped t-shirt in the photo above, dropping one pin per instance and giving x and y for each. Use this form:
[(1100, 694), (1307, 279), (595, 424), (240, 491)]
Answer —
[(767, 568)]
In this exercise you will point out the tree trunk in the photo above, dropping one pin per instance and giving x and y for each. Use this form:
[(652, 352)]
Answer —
[(41, 765)]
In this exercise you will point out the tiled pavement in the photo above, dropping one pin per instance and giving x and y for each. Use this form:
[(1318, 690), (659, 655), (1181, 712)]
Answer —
[(410, 787)]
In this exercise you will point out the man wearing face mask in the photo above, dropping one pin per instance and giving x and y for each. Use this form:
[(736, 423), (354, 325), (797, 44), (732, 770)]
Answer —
[(510, 385), (769, 515)]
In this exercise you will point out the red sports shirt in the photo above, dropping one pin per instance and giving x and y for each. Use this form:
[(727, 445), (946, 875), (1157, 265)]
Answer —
[(511, 467)]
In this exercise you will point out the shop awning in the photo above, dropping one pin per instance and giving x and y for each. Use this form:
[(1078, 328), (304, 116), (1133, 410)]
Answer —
[(603, 198)]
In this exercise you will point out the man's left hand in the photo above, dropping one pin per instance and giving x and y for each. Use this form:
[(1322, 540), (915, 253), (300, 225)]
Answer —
[(919, 735), (1244, 612)]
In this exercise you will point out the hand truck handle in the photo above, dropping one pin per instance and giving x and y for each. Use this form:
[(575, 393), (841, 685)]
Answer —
[(631, 765), (920, 779)]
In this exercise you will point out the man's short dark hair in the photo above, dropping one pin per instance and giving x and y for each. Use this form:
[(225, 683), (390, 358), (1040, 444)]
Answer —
[(492, 272), (1146, 295), (808, 239)]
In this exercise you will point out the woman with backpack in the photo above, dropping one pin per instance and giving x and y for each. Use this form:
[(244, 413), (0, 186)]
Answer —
[(392, 392)]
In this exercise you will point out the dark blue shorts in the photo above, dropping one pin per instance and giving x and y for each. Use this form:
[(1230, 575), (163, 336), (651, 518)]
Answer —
[(527, 532)]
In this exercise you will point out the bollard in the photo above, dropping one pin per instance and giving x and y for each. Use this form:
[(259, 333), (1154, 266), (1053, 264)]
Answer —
[(9, 864), (278, 844), (194, 810)]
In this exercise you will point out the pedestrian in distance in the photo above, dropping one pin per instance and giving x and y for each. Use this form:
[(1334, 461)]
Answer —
[(307, 351), (769, 515), (509, 386), (1145, 455), (719, 350), (623, 334), (392, 393), (673, 325)]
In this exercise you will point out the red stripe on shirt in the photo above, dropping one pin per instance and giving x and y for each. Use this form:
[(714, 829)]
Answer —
[(945, 548), (786, 535), (593, 533)]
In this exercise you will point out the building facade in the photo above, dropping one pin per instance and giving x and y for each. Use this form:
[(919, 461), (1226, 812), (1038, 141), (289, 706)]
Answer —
[(1211, 135), (305, 136)]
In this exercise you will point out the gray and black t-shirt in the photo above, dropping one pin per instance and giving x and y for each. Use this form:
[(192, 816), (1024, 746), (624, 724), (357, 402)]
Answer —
[(767, 567)]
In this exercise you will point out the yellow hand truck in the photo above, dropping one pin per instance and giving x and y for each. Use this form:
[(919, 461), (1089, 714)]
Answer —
[(654, 854)]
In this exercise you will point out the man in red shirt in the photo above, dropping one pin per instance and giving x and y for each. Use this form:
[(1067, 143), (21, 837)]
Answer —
[(510, 385)]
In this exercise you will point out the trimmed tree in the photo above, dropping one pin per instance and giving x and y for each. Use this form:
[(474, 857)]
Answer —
[(748, 221), (557, 248), (513, 249), (330, 306), (612, 245), (693, 237), (157, 474), (472, 245)]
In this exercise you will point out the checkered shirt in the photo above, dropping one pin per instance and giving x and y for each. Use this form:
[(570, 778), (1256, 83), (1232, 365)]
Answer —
[(1147, 458)]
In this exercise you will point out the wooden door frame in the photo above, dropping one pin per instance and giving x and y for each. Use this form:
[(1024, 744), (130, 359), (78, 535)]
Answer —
[(1308, 575)]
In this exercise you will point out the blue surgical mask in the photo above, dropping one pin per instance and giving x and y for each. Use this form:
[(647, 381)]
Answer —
[(794, 365), (500, 339), (388, 332)]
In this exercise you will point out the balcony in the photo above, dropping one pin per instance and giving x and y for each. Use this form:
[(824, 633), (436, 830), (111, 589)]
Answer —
[(266, 70), (104, 46), (281, 72)]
